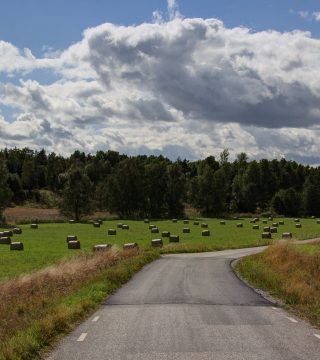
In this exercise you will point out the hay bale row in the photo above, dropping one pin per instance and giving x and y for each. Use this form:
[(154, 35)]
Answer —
[(112, 232), (286, 235), (205, 233), (34, 226), (266, 235), (239, 225), (5, 240), (74, 245), (96, 224), (165, 234), (186, 230), (186, 221), (273, 230), (157, 243), (102, 247), (16, 246), (204, 225), (17, 231), (298, 226), (131, 246), (174, 238), (155, 230), (125, 227)]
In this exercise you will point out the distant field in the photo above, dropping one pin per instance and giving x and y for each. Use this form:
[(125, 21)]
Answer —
[(47, 244)]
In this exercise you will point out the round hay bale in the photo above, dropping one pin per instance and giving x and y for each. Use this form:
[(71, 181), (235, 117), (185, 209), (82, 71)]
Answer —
[(165, 234), (174, 220), (125, 227), (298, 226), (151, 226), (186, 221), (256, 219), (16, 246), (266, 229), (174, 238), (100, 221), (252, 221), (196, 223), (313, 217), (130, 246), (255, 227), (273, 230), (275, 224), (71, 238), (74, 245), (146, 221), (281, 222), (5, 240), (71, 221), (8, 233), (286, 235), (17, 231), (318, 221), (112, 232), (186, 230), (119, 225), (96, 225), (235, 218), (156, 243), (222, 222), (266, 235), (270, 218), (239, 225), (34, 226), (154, 230), (204, 225), (296, 220), (265, 221), (205, 232), (102, 247)]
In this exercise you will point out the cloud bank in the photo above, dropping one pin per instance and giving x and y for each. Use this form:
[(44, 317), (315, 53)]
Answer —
[(187, 87)]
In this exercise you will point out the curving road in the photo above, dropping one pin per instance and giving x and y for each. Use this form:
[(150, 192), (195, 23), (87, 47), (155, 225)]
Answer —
[(190, 306)]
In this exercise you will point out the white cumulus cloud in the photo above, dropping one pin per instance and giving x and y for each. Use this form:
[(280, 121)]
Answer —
[(187, 87)]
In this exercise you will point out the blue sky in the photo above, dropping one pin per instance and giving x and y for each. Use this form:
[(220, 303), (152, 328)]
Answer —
[(184, 78), (35, 23)]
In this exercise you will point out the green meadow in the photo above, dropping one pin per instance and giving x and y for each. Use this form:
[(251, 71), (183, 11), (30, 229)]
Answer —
[(47, 244)]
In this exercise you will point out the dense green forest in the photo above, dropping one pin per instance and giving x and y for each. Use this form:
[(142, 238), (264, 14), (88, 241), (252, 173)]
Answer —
[(156, 187)]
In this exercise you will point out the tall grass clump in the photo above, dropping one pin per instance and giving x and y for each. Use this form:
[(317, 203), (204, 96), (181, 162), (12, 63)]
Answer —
[(291, 275), (36, 309)]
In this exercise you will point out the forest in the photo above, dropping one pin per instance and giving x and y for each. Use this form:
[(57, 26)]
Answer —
[(156, 187)]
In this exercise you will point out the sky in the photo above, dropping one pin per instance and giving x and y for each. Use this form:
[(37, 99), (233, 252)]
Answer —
[(179, 78)]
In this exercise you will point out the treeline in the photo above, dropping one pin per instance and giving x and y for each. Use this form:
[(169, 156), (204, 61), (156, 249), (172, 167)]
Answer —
[(156, 187)]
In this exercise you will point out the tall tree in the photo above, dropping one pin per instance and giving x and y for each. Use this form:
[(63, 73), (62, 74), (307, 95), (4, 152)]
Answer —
[(77, 193), (5, 192)]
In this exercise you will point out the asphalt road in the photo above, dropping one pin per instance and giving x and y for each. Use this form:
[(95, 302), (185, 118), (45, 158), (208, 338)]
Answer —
[(190, 306)]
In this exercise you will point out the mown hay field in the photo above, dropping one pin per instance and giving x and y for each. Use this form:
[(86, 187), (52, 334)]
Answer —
[(47, 244)]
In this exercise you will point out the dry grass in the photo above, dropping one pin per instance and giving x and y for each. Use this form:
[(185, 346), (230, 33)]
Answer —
[(32, 312), (288, 274)]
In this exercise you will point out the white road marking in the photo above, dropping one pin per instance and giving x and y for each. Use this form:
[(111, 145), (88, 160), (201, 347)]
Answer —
[(292, 320), (95, 319), (317, 336), (82, 337)]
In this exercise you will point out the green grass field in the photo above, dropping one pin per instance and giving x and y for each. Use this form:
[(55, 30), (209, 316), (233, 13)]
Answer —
[(47, 244)]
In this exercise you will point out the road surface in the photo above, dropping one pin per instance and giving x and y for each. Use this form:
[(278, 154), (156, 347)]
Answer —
[(190, 306)]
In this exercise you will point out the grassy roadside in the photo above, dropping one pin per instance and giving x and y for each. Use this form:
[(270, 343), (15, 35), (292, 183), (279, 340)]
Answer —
[(290, 273), (36, 309)]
